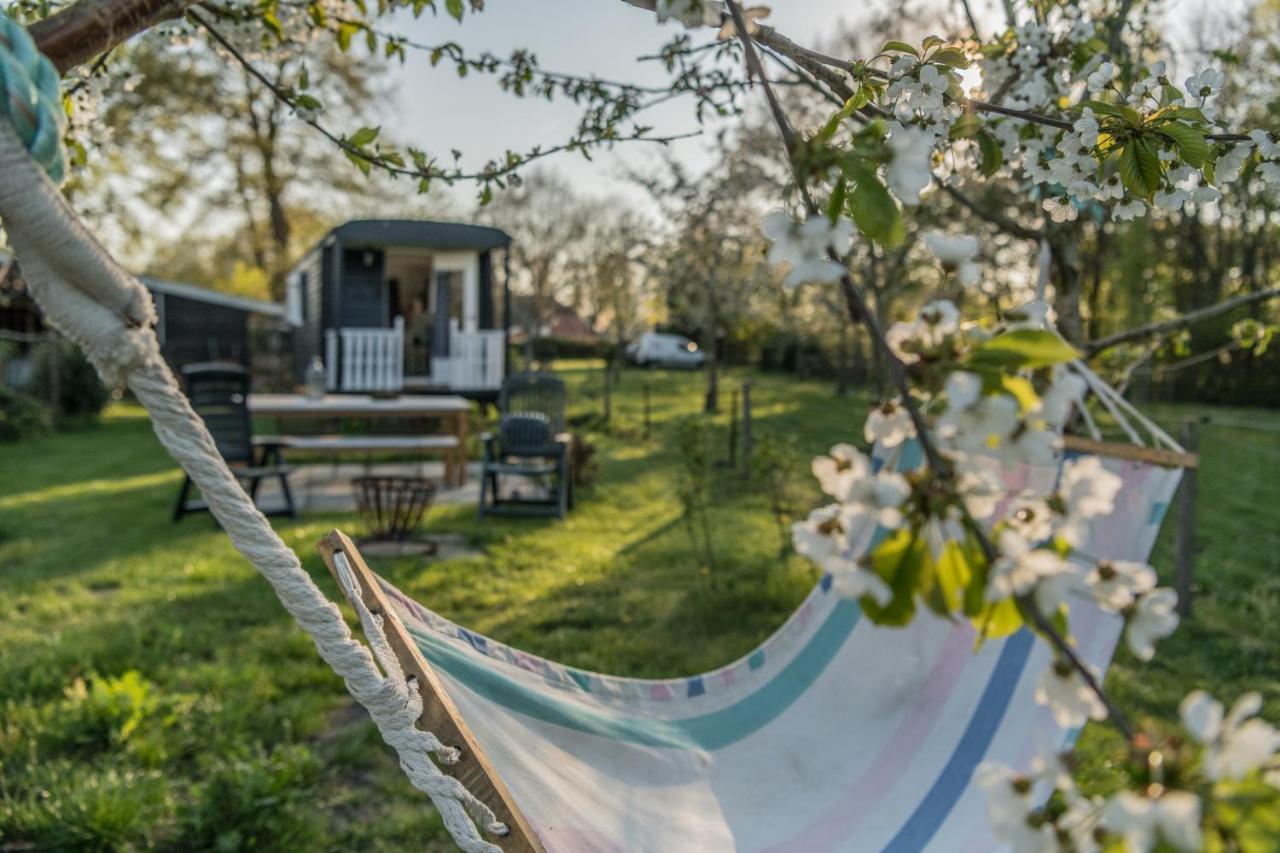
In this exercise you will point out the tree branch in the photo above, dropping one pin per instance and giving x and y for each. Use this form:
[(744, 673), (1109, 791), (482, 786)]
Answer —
[(1165, 327), (90, 27), (1004, 223)]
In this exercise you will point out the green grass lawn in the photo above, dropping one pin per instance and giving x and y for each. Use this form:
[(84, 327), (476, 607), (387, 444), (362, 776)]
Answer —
[(153, 693)]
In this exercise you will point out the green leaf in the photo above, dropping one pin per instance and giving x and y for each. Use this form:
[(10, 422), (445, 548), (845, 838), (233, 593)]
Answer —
[(951, 575), (874, 210), (900, 561), (931, 41), (900, 47), (952, 56), (1021, 349), (1103, 108), (364, 136), (1140, 168), (345, 32), (992, 154), (856, 102), (1191, 143), (273, 24), (361, 163), (454, 8), (1021, 390), (998, 619), (835, 204), (966, 126), (1128, 115)]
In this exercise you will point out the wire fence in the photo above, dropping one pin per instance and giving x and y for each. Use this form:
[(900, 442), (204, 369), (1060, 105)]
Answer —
[(1225, 536)]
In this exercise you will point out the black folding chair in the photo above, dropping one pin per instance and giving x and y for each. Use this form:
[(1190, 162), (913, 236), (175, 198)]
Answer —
[(530, 443), (219, 392)]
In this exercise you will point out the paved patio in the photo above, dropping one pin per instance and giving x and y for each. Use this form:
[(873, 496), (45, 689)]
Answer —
[(326, 487)]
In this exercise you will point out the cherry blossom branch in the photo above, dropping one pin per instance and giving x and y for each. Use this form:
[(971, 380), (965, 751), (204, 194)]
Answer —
[(1190, 318), (391, 166), (859, 312)]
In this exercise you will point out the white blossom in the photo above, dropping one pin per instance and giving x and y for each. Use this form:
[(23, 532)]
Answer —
[(1068, 696), (1102, 78), (805, 246), (889, 425), (1237, 743), (880, 496), (962, 389), (1116, 584), (846, 475), (1207, 83), (1020, 567), (1036, 314), (910, 171), (822, 537), (1066, 392), (1060, 209), (855, 581), (1129, 211), (1154, 617), (1010, 807), (1174, 818), (956, 254), (936, 322), (1088, 490), (691, 13), (838, 471), (978, 483), (1230, 164), (981, 427), (1266, 145), (1030, 517)]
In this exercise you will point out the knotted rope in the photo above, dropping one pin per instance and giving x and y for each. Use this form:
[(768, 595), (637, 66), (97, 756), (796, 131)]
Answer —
[(89, 298)]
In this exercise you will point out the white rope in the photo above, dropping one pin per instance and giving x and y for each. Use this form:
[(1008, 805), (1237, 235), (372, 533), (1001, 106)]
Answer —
[(1113, 400), (89, 298)]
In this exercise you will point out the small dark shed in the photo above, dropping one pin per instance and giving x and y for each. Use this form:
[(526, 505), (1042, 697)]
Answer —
[(195, 324)]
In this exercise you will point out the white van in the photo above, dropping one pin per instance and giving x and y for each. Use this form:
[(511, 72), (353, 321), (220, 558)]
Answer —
[(659, 350)]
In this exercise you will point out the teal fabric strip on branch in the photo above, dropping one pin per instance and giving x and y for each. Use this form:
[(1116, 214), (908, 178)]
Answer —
[(32, 97)]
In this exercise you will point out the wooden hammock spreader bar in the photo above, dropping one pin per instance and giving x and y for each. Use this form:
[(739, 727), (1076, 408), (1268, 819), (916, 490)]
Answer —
[(1115, 450), (439, 715)]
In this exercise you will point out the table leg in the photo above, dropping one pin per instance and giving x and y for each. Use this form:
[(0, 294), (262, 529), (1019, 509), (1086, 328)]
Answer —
[(462, 449)]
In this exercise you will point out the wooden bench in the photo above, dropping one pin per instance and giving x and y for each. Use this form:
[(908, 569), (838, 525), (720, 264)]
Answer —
[(455, 462)]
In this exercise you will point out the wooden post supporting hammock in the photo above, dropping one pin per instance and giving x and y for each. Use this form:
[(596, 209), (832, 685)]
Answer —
[(439, 715), (1153, 455)]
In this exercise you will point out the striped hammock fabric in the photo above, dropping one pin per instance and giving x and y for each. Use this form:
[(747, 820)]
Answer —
[(834, 734)]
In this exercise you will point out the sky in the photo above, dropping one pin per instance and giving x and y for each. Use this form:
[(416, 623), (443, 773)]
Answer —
[(433, 109), (438, 111)]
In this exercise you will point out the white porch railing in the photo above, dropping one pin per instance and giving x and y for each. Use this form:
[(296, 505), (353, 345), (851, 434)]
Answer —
[(475, 360), (365, 359)]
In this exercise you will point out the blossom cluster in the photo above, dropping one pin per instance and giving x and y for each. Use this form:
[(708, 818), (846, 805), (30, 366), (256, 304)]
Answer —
[(1042, 810)]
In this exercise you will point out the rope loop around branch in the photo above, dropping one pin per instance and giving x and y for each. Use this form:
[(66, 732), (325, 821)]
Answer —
[(32, 97)]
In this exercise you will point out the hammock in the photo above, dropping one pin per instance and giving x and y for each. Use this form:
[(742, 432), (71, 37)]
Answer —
[(833, 734)]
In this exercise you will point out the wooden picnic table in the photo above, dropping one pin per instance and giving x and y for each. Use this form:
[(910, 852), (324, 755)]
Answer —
[(452, 410)]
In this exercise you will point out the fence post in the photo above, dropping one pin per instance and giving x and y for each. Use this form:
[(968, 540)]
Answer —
[(1186, 558), (608, 392), (733, 428), (746, 429), (54, 354), (646, 411)]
